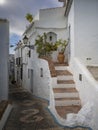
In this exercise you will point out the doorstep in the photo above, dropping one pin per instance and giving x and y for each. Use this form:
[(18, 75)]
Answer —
[(5, 109)]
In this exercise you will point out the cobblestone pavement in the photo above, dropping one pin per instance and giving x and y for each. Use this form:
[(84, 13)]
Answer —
[(30, 113)]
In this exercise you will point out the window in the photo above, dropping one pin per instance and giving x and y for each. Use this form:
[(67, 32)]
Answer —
[(41, 72), (18, 61), (29, 53), (21, 70), (50, 38), (29, 73)]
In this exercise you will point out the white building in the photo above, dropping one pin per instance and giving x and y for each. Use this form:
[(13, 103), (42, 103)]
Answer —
[(18, 65), (4, 56), (42, 24), (83, 19), (77, 21), (12, 67)]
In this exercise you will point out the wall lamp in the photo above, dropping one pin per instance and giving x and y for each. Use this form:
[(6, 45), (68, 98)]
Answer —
[(25, 41)]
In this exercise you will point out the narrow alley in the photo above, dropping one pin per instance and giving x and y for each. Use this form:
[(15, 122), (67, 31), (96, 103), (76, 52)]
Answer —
[(30, 113)]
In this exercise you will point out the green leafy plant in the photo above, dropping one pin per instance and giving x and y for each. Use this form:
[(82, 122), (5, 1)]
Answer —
[(43, 47), (29, 17), (61, 45)]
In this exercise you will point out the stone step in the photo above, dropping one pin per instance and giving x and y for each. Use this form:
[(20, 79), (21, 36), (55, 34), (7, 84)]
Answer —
[(64, 77), (67, 98), (64, 86), (58, 64), (65, 94), (67, 101), (61, 68), (63, 72), (64, 110), (68, 94), (5, 109), (64, 90), (3, 106), (65, 82)]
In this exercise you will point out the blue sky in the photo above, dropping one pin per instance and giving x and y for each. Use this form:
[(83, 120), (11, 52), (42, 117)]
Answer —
[(15, 11)]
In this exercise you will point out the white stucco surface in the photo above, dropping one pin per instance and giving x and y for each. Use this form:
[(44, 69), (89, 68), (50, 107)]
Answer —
[(87, 87), (83, 20), (56, 23), (72, 33), (82, 118), (41, 84), (18, 67), (4, 55), (86, 31), (55, 18), (5, 116)]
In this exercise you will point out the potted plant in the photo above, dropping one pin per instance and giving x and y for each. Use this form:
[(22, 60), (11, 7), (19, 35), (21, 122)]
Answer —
[(61, 49), (43, 47), (29, 17)]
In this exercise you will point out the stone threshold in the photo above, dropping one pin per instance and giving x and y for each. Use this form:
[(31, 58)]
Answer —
[(5, 109)]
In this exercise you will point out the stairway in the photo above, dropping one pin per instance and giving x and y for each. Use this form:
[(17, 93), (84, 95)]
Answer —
[(65, 94)]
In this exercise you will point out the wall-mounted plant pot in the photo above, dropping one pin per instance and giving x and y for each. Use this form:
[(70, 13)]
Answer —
[(61, 58)]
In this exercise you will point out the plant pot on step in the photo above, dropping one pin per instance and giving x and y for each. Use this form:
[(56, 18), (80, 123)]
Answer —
[(61, 57)]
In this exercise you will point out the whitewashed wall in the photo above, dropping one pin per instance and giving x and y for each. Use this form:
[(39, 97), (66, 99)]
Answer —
[(86, 30), (83, 19), (41, 84), (72, 32), (11, 66), (56, 22), (4, 56), (16, 55), (88, 89), (52, 18), (17, 52), (25, 80), (17, 68)]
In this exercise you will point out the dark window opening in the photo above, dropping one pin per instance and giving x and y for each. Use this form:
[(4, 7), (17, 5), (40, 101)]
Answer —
[(41, 72), (18, 61), (21, 73), (29, 53), (50, 38)]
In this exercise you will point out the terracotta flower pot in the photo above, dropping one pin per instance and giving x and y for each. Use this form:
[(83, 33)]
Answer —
[(61, 58)]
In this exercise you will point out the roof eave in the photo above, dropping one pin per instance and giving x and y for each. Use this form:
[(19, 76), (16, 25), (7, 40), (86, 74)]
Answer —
[(28, 28), (68, 7)]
